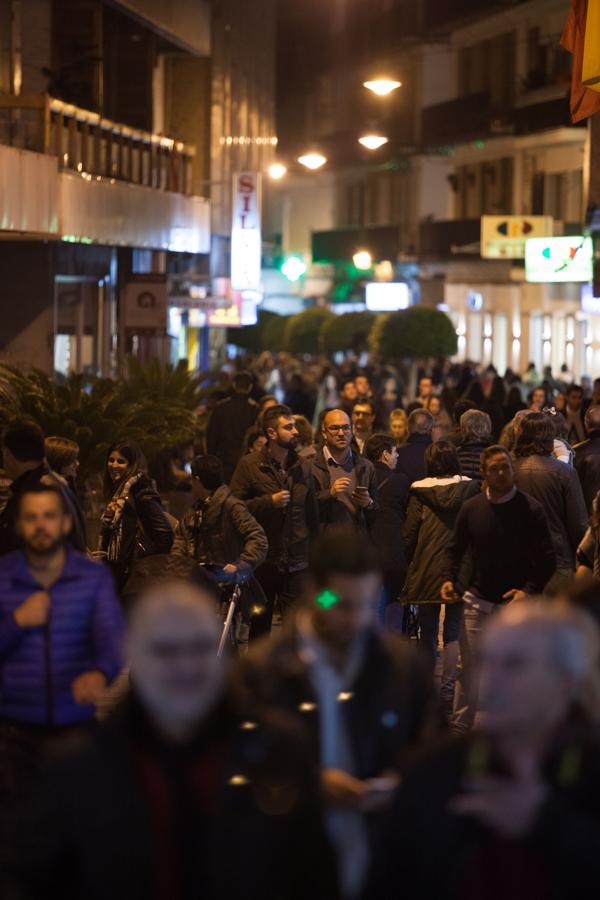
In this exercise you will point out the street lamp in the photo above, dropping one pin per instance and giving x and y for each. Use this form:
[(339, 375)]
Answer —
[(312, 161), (362, 260), (277, 171), (382, 86), (293, 268), (373, 141)]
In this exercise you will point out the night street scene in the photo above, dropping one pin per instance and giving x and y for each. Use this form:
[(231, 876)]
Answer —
[(299, 449)]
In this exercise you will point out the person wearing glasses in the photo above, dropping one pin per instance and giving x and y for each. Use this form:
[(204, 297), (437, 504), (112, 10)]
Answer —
[(345, 482)]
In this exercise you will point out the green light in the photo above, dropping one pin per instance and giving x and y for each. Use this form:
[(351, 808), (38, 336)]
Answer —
[(479, 144), (327, 599), (293, 268)]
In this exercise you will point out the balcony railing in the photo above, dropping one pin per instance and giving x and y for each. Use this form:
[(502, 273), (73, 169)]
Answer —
[(86, 142)]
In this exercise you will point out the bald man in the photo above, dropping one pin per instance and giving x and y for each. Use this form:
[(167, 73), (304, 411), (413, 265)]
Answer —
[(179, 795), (587, 457)]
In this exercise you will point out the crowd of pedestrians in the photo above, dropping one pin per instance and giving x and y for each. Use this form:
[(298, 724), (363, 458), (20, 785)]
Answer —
[(362, 661)]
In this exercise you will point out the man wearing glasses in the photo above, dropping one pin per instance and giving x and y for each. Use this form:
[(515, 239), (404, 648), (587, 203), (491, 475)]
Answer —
[(345, 482)]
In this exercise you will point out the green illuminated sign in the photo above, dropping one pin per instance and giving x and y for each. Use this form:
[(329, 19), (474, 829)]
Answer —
[(327, 599)]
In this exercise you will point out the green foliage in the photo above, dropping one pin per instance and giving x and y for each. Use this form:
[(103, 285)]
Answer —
[(413, 333), (154, 405), (250, 337), (347, 332), (273, 332), (302, 333)]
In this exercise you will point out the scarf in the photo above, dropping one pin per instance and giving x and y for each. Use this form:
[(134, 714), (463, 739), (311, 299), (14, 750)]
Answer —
[(112, 518)]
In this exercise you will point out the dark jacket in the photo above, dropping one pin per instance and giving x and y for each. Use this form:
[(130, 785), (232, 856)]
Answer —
[(587, 466), (289, 530), (556, 486), (42, 474), (333, 511), (509, 545), (411, 456), (429, 852), (390, 707), (234, 814), (146, 530), (85, 632), (220, 531), (469, 455), (227, 426), (388, 522), (433, 507)]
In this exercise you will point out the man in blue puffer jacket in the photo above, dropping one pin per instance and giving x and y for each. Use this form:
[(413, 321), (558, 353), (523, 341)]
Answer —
[(61, 625)]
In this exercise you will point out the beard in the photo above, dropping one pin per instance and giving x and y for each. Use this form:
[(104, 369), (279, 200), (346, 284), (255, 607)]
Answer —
[(43, 545), (290, 444)]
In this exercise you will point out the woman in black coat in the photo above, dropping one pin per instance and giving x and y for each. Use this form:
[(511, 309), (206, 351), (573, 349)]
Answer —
[(133, 523)]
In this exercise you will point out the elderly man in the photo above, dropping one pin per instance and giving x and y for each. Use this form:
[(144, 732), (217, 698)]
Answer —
[(476, 431), (180, 794), (345, 482), (513, 810)]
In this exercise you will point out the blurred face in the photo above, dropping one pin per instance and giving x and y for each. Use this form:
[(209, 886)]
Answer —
[(362, 417), (425, 387), (498, 473), (390, 458), (42, 523), (285, 435), (349, 392), (574, 399), (258, 443), (520, 691), (353, 613), (173, 643), (363, 387), (337, 430), (70, 470), (399, 429), (117, 466), (538, 398), (435, 406)]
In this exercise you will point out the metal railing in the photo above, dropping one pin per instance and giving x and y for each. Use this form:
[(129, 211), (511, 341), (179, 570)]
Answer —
[(84, 141)]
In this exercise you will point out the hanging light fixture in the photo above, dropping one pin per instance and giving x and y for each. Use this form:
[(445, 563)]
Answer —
[(382, 86), (373, 141), (312, 161)]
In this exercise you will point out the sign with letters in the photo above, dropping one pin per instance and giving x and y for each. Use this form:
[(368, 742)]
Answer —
[(246, 242)]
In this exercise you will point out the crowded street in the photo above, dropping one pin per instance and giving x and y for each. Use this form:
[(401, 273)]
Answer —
[(299, 449)]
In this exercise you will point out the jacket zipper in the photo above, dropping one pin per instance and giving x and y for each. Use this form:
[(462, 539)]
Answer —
[(48, 667)]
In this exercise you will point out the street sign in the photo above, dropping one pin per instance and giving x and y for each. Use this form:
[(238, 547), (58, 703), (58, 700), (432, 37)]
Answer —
[(559, 259), (503, 237), (246, 243)]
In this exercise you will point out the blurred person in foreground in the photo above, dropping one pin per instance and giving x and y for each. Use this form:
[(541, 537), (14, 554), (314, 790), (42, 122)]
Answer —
[(180, 794), (511, 812), (363, 696)]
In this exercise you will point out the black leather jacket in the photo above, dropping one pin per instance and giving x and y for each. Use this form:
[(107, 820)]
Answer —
[(587, 465), (556, 486)]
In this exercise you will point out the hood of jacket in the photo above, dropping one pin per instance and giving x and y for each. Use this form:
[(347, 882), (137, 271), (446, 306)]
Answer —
[(442, 494)]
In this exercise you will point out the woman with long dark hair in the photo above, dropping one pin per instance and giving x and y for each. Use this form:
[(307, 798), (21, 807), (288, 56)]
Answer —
[(133, 523)]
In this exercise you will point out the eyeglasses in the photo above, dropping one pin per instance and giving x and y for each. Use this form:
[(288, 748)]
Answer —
[(335, 428)]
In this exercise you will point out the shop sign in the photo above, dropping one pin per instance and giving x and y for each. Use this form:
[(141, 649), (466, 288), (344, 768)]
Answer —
[(559, 259), (246, 242), (504, 237), (145, 304)]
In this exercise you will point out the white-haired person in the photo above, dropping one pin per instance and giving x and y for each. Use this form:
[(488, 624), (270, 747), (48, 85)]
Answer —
[(511, 810)]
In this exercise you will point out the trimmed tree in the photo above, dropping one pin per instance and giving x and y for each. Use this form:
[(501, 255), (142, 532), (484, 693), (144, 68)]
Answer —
[(414, 334), (302, 333), (271, 338), (347, 332)]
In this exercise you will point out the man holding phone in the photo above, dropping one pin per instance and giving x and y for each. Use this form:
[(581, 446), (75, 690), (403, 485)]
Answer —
[(345, 482)]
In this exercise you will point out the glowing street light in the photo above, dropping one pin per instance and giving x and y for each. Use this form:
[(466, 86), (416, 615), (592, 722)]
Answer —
[(373, 141), (293, 268), (277, 171), (362, 260), (312, 161), (382, 86)]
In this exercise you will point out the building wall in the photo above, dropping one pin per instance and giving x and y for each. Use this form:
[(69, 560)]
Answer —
[(27, 291)]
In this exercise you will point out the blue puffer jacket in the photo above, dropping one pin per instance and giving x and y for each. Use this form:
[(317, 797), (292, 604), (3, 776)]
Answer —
[(85, 633)]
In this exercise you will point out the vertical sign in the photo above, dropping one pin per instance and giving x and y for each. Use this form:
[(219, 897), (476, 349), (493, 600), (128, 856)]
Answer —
[(246, 245)]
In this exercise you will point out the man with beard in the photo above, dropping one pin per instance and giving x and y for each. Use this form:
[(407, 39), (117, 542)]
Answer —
[(61, 629), (277, 488)]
